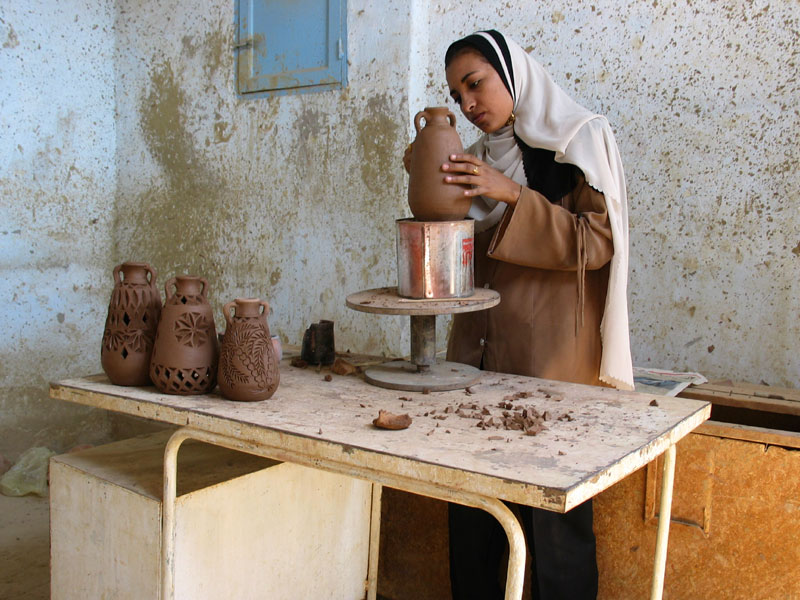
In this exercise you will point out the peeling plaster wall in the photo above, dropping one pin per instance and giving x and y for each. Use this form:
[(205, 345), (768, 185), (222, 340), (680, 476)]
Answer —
[(704, 98), (57, 181)]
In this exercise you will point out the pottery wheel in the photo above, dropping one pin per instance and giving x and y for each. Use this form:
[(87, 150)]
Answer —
[(422, 372)]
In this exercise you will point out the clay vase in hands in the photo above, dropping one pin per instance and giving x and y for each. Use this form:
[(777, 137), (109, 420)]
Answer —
[(248, 364), (185, 351), (429, 197), (131, 323)]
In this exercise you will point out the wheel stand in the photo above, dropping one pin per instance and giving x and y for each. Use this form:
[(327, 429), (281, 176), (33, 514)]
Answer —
[(422, 372)]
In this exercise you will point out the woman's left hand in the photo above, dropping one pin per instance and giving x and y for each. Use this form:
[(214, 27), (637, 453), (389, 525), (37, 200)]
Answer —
[(485, 180)]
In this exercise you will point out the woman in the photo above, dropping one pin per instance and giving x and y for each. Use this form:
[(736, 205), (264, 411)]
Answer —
[(550, 212)]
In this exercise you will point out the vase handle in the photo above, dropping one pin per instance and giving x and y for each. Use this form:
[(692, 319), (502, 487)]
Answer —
[(452, 118), (204, 291), (226, 310), (152, 272), (116, 274), (168, 287), (418, 119), (265, 313)]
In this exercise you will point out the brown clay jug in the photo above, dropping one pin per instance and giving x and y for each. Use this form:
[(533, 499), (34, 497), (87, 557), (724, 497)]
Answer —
[(185, 351), (429, 197), (131, 323), (248, 365)]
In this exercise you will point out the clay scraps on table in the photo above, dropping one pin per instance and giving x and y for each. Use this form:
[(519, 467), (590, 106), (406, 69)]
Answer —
[(512, 416)]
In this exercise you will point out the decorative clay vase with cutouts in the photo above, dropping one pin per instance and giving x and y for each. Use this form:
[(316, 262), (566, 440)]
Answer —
[(185, 351), (429, 197), (248, 364), (131, 323)]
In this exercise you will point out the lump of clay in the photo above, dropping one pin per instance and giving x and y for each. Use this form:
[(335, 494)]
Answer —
[(387, 420), (29, 475), (343, 367)]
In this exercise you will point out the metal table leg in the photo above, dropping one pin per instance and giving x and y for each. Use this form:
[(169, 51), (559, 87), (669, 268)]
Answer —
[(374, 542), (665, 509), (515, 575), (168, 512), (516, 539)]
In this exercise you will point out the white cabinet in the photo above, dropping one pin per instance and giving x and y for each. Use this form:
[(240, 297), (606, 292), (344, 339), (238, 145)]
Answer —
[(246, 527)]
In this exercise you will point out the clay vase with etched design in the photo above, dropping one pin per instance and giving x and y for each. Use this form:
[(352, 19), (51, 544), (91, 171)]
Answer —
[(248, 364), (185, 352), (429, 197), (131, 323)]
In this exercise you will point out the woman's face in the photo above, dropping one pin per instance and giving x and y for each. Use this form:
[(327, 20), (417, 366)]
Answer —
[(477, 88)]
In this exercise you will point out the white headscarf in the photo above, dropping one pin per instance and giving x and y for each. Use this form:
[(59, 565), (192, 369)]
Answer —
[(546, 117)]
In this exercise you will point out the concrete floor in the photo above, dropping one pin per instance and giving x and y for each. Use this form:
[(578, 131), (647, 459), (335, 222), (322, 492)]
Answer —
[(24, 548)]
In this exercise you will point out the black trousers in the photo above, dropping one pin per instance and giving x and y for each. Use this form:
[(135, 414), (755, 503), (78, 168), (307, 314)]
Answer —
[(562, 546)]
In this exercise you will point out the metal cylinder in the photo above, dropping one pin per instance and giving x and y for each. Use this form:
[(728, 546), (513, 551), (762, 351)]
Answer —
[(423, 341), (435, 259)]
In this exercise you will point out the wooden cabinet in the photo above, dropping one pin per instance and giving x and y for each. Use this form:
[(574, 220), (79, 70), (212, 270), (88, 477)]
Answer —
[(736, 506)]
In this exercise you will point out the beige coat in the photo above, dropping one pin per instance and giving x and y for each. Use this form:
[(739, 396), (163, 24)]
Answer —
[(533, 258)]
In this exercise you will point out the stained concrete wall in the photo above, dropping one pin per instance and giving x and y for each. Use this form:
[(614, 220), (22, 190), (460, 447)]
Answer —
[(57, 187), (704, 100), (291, 199), (123, 138)]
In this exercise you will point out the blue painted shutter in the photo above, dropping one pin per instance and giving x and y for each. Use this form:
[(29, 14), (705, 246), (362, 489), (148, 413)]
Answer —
[(297, 45)]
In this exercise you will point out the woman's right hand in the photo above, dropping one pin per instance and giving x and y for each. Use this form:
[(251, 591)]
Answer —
[(407, 157), (482, 179)]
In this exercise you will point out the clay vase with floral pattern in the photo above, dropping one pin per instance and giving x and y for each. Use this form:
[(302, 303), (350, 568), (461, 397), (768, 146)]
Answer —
[(248, 364), (185, 352), (131, 323), (429, 197)]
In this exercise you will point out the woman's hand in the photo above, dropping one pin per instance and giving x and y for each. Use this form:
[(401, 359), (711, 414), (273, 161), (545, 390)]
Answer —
[(485, 180)]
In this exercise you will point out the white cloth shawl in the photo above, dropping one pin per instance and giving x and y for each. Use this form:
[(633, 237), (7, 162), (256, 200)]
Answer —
[(546, 117)]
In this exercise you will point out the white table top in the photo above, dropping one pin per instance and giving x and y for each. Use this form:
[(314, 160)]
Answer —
[(593, 437)]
